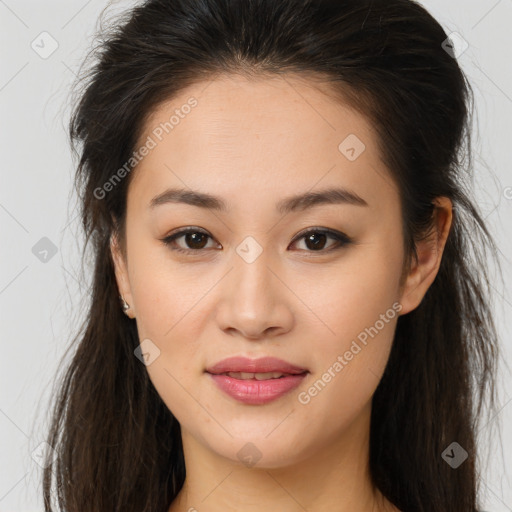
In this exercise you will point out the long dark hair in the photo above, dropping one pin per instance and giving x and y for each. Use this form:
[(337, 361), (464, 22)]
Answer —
[(119, 447)]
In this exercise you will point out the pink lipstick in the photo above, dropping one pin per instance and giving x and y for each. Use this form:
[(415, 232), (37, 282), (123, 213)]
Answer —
[(256, 381)]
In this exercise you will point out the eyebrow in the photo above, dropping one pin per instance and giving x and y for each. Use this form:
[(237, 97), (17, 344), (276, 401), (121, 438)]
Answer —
[(294, 203)]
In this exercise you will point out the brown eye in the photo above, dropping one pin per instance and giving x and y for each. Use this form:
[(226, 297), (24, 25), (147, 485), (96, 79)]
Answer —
[(316, 239), (194, 240)]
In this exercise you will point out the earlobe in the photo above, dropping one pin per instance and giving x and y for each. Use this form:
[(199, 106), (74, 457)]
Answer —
[(430, 251), (121, 274)]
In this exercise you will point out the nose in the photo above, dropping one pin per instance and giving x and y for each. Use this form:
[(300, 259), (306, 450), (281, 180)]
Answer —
[(255, 301)]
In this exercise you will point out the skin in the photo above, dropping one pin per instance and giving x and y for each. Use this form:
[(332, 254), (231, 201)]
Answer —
[(254, 143)]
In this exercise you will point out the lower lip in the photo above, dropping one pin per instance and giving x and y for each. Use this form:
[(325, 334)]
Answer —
[(256, 392)]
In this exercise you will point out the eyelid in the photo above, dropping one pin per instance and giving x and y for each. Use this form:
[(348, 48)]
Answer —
[(340, 237)]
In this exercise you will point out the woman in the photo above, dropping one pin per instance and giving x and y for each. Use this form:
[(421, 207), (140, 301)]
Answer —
[(276, 193)]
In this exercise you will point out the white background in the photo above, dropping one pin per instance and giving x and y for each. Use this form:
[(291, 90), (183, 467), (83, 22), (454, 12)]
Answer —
[(41, 303)]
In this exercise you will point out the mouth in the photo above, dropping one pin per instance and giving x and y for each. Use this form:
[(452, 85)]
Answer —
[(257, 381)]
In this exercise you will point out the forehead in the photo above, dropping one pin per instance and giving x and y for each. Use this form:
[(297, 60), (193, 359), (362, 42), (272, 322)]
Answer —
[(235, 107), (260, 134)]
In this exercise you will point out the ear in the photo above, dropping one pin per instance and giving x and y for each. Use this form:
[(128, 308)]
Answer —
[(121, 272), (422, 273)]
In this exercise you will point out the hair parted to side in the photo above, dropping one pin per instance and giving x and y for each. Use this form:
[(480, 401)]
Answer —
[(119, 447)]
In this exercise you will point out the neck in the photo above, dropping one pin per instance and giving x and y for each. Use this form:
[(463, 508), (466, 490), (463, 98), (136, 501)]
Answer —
[(332, 476)]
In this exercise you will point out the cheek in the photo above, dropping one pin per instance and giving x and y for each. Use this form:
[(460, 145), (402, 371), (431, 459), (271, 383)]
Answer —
[(166, 301), (352, 293), (358, 309), (164, 291), (168, 313), (349, 363)]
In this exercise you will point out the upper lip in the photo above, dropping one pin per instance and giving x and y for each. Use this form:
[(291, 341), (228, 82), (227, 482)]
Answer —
[(261, 365)]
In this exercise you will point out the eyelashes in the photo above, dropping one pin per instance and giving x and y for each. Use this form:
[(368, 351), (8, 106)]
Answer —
[(314, 236)]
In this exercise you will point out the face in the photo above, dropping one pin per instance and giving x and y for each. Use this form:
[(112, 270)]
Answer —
[(313, 283)]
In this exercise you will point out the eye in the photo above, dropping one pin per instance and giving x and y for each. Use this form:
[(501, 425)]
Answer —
[(195, 240), (315, 238), (195, 237)]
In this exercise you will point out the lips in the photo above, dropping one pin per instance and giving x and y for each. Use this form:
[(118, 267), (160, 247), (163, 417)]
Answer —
[(264, 365), (256, 381)]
